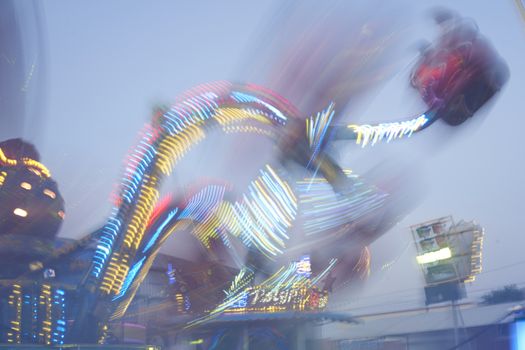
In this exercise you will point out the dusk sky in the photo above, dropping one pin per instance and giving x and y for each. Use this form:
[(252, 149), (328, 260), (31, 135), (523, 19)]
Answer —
[(108, 63)]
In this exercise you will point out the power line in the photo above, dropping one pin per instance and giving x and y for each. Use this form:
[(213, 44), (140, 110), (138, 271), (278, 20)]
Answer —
[(412, 300), (486, 328), (419, 288)]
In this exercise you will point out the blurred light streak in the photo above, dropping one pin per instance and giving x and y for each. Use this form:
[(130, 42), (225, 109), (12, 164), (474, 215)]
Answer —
[(316, 129), (323, 210), (374, 133), (518, 336)]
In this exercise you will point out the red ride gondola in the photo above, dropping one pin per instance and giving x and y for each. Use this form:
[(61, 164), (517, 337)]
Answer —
[(460, 73)]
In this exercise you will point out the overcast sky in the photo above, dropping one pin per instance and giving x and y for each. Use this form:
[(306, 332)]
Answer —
[(108, 63)]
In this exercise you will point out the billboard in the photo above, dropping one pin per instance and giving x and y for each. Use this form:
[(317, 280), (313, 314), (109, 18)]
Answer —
[(448, 251)]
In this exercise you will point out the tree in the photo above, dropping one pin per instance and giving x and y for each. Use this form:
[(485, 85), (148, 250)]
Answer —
[(506, 294)]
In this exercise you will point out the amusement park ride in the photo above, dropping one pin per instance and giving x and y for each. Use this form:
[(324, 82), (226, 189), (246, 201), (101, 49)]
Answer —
[(340, 214)]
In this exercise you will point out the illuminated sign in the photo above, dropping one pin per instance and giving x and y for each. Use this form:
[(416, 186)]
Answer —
[(448, 251), (261, 299), (437, 255)]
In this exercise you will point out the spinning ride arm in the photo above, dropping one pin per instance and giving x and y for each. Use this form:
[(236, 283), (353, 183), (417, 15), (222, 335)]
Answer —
[(366, 134)]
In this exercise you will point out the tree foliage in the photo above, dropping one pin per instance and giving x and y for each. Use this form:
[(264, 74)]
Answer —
[(506, 294)]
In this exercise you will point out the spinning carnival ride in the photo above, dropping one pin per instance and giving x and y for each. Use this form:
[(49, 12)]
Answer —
[(340, 214)]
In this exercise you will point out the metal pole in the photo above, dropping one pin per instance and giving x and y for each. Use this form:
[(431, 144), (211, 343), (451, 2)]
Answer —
[(456, 323), (245, 338)]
